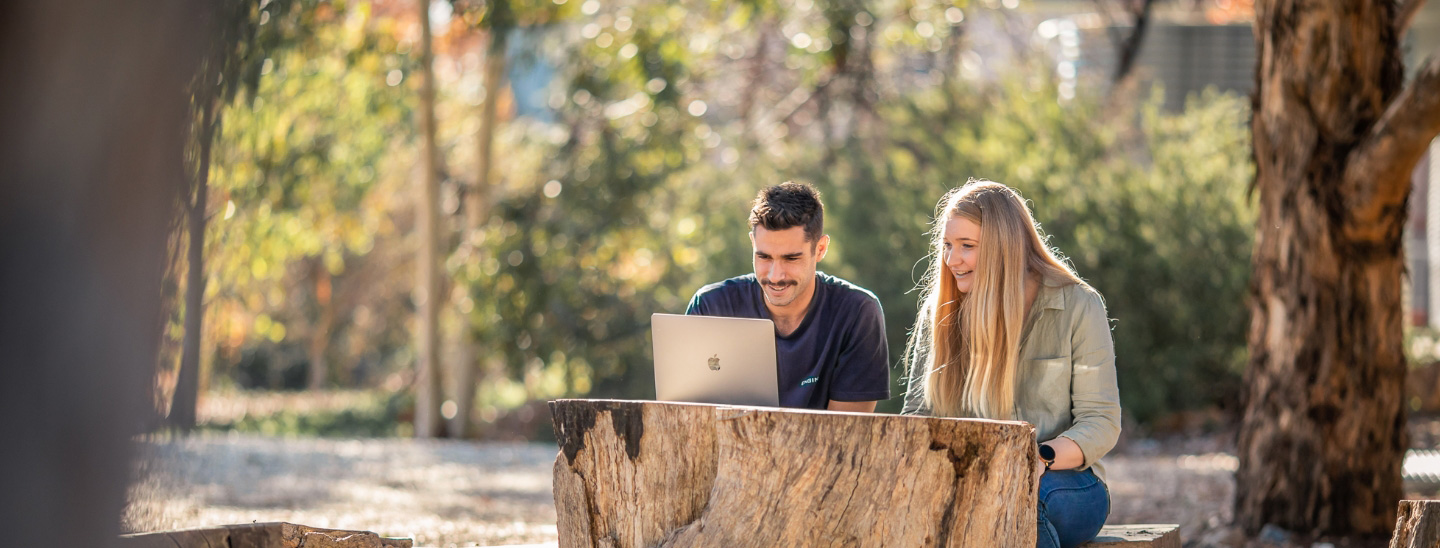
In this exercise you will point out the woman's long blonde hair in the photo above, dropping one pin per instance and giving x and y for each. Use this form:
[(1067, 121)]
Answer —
[(967, 346)]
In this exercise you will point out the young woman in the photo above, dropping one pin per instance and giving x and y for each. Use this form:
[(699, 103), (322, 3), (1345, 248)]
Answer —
[(1008, 331)]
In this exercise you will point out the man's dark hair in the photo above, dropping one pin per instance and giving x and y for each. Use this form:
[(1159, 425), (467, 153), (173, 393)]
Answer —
[(788, 205)]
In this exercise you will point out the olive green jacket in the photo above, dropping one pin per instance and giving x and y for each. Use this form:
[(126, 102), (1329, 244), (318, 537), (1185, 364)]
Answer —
[(1067, 384)]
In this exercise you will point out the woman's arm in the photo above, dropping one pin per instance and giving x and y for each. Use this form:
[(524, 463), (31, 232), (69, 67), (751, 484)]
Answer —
[(914, 390), (1094, 396)]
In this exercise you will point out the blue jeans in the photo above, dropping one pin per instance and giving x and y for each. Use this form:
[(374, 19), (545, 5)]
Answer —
[(1073, 506)]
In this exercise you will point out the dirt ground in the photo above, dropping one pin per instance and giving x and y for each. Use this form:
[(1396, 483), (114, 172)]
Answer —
[(448, 493), (440, 493)]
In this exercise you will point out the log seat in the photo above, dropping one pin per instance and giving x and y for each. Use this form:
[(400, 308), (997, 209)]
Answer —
[(262, 535), (1137, 536)]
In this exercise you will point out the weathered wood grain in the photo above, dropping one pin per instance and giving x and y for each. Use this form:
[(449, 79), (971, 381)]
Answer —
[(644, 474), (1418, 525)]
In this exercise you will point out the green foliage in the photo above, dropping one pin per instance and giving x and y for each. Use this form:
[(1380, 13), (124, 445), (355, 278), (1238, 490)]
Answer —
[(294, 170), (574, 261), (296, 160)]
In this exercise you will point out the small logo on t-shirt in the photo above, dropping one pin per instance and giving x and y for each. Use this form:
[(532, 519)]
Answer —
[(811, 380)]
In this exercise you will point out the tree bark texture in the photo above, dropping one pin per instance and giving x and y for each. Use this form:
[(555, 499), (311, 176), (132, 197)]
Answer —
[(427, 291), (1335, 138), (262, 535), (1418, 525), (644, 474)]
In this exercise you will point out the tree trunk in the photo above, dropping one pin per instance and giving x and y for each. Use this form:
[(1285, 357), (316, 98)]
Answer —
[(641, 474), (427, 290), (1335, 139), (325, 321), (467, 371), (1418, 525), (187, 382), (96, 127)]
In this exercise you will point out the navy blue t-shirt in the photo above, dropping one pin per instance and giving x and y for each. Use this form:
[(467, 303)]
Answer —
[(838, 352)]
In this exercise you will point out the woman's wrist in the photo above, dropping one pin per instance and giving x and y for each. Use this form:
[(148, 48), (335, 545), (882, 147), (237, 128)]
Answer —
[(1047, 456)]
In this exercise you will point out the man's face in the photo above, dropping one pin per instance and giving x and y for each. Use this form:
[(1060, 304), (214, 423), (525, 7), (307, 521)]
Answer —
[(785, 263)]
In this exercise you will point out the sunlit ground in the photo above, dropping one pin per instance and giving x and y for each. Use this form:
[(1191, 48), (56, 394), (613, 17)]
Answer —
[(441, 493)]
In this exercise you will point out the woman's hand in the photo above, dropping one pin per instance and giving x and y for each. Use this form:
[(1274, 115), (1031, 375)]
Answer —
[(1068, 455)]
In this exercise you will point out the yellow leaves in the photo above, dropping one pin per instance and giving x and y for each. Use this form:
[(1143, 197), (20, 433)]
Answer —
[(269, 328), (260, 268), (686, 256), (334, 262)]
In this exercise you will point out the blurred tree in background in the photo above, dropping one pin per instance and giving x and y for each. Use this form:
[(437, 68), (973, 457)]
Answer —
[(229, 63), (302, 199), (626, 142)]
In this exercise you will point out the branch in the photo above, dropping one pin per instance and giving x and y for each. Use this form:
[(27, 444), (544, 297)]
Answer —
[(1404, 14), (1377, 177), (1130, 47)]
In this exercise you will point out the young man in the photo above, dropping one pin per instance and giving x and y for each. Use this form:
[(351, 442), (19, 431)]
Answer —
[(829, 333)]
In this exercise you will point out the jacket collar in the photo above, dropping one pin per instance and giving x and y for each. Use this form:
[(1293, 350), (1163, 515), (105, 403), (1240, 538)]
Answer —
[(1052, 295)]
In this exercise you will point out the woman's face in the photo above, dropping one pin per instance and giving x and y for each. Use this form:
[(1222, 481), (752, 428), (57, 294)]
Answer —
[(962, 250)]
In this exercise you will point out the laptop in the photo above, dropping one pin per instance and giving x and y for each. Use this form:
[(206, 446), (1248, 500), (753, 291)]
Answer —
[(711, 359)]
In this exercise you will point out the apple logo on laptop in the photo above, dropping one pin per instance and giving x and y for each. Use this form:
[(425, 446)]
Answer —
[(714, 362)]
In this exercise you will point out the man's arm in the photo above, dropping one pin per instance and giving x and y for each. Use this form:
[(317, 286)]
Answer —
[(852, 406), (862, 376)]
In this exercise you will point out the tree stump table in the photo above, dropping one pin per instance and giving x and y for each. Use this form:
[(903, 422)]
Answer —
[(640, 474)]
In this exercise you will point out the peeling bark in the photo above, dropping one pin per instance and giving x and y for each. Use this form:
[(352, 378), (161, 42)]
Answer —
[(1335, 140)]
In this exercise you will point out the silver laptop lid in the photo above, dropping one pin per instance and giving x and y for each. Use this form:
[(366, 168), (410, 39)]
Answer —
[(711, 359)]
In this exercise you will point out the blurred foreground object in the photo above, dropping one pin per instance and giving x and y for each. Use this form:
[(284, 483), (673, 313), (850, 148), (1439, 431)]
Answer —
[(263, 535), (1337, 133), (92, 121), (637, 474)]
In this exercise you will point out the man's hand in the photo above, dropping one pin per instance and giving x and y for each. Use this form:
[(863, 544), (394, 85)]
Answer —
[(852, 406)]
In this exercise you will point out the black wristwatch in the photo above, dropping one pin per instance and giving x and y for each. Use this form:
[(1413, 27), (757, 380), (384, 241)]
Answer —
[(1047, 454)]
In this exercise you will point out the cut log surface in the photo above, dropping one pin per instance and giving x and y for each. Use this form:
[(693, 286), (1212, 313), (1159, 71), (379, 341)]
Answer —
[(642, 474), (1418, 525), (1137, 536), (262, 535)]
